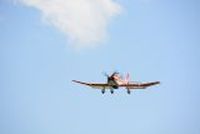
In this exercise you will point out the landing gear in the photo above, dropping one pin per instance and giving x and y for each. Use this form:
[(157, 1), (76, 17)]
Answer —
[(128, 91), (111, 91), (103, 91)]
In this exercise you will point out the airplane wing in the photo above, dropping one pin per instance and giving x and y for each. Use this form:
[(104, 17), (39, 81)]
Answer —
[(139, 85), (94, 85)]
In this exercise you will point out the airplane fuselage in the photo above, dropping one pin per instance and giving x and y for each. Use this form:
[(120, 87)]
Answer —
[(113, 83)]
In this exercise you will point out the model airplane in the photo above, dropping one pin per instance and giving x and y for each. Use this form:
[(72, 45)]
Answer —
[(116, 81)]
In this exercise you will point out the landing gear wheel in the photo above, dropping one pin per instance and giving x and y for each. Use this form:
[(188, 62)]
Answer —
[(128, 91), (111, 91), (103, 91)]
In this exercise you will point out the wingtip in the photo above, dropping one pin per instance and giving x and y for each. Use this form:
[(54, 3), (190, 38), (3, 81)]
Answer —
[(157, 82), (75, 81)]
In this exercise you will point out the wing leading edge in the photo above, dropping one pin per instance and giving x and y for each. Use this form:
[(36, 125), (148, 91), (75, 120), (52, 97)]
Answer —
[(94, 85), (139, 85)]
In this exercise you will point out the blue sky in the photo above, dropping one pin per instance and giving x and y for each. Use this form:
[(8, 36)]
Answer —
[(150, 39)]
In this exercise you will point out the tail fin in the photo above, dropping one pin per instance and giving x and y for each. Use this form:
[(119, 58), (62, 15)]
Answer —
[(127, 78)]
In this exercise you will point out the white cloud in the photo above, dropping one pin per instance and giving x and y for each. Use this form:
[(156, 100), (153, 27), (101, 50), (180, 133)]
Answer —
[(83, 21)]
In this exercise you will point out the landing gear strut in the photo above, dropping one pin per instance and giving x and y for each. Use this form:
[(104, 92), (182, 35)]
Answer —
[(128, 91), (103, 91)]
